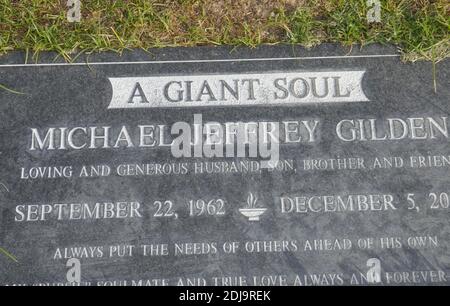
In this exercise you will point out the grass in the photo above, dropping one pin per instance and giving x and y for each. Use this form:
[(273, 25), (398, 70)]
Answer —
[(420, 28), (7, 254)]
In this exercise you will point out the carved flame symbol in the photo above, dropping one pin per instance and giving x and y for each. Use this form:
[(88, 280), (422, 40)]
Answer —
[(251, 201)]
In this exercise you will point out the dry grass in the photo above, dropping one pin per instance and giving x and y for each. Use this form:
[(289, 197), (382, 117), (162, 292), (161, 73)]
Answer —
[(419, 27)]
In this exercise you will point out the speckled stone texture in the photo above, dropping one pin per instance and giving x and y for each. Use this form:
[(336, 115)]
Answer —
[(412, 245)]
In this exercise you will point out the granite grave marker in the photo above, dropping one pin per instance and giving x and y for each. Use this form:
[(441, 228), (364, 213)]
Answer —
[(357, 191)]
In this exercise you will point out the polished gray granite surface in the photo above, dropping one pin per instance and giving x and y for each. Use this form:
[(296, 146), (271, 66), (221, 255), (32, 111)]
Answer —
[(359, 192)]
